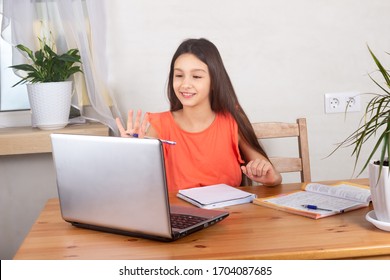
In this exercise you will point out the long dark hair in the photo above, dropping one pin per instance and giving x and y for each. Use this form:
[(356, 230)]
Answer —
[(223, 98)]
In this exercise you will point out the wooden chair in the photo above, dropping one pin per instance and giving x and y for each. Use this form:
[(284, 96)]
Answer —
[(267, 130)]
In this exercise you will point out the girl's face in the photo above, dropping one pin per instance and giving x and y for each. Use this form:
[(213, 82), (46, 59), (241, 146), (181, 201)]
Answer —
[(191, 81)]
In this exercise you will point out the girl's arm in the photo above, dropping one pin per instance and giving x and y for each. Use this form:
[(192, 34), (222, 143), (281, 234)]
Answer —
[(258, 168)]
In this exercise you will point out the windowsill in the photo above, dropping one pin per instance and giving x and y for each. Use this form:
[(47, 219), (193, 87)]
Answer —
[(28, 140), (15, 118)]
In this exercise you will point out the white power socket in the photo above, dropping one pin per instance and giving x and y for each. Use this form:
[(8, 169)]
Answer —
[(342, 102)]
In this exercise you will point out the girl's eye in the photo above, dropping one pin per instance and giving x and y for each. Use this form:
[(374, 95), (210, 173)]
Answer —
[(178, 76), (197, 77)]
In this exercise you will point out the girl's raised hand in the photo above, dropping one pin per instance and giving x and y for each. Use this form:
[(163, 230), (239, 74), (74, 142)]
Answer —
[(134, 128)]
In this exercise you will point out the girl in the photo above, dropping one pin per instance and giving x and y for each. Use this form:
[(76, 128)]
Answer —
[(213, 134)]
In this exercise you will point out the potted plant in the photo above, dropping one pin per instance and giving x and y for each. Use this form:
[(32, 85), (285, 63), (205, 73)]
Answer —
[(376, 123), (48, 87)]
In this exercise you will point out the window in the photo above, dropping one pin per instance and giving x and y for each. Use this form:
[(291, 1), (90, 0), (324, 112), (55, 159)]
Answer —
[(11, 98), (13, 101)]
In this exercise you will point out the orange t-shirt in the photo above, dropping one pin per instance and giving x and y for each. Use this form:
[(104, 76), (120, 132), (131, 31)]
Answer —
[(203, 158)]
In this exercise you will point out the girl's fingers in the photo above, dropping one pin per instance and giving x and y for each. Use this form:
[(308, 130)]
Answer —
[(130, 122), (257, 168), (264, 173), (136, 128), (144, 125), (121, 129)]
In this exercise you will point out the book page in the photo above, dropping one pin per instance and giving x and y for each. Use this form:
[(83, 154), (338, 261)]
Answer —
[(297, 199), (346, 191)]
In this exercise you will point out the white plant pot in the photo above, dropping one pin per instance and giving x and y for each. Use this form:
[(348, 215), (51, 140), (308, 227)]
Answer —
[(50, 104), (380, 191)]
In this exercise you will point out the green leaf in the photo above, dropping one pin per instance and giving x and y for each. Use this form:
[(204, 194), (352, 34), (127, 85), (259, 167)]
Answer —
[(26, 50), (24, 67), (383, 71)]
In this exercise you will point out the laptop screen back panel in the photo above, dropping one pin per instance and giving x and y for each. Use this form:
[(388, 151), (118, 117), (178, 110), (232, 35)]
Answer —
[(102, 181)]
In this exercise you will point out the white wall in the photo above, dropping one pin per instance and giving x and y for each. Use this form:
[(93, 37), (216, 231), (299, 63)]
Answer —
[(282, 56)]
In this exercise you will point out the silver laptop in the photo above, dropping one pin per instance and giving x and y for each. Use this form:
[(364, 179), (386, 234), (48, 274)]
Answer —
[(118, 185)]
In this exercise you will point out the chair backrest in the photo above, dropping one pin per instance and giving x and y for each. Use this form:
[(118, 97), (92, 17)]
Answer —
[(267, 130)]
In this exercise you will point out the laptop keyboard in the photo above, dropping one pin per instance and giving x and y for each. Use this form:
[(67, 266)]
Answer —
[(181, 221)]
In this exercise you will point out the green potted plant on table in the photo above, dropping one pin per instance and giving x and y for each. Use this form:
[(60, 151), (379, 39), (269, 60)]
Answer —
[(376, 122), (48, 87)]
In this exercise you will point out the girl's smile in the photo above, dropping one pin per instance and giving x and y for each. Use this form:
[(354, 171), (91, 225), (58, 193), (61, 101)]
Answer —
[(187, 94)]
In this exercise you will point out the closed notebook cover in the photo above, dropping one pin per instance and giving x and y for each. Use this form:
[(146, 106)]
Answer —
[(215, 196)]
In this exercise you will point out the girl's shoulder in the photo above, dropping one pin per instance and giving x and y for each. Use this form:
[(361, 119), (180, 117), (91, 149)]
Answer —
[(226, 117), (161, 120)]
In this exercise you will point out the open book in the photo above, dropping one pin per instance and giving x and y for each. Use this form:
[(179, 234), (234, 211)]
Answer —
[(317, 200), (215, 196)]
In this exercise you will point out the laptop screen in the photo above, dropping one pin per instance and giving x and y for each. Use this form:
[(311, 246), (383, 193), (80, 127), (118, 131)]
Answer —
[(112, 182)]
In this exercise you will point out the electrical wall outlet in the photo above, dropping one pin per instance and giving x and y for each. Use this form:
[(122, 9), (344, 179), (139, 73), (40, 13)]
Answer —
[(342, 102)]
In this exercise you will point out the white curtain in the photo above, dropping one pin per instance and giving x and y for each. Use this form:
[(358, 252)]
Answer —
[(77, 24)]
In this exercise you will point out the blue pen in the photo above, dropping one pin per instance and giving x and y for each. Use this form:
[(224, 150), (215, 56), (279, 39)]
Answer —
[(315, 207)]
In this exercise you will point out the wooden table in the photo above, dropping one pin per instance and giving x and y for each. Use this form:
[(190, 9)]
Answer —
[(250, 232)]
